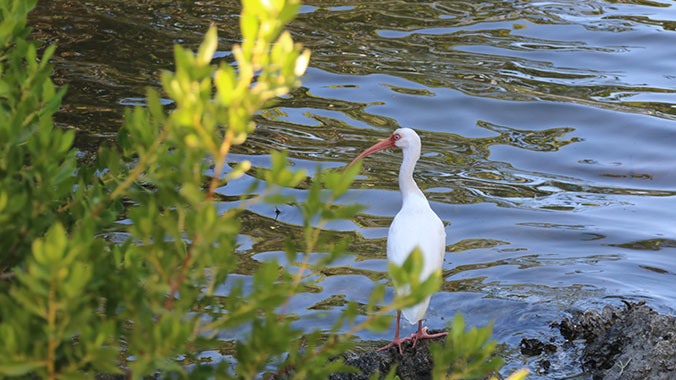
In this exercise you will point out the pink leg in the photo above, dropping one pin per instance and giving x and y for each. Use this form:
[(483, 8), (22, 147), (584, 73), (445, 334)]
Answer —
[(422, 334), (396, 339)]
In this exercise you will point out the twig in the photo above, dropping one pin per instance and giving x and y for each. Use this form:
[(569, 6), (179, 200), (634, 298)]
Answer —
[(622, 366), (220, 161), (169, 303), (51, 342), (222, 155), (311, 241), (136, 172)]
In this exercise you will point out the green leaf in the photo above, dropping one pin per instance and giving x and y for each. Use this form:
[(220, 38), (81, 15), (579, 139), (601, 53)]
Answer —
[(208, 47), (249, 26), (340, 182), (377, 296), (278, 199), (55, 243), (18, 369), (239, 170), (290, 250), (519, 375), (381, 323), (342, 212), (392, 374), (49, 51), (155, 105), (458, 328), (193, 194), (225, 81), (289, 11), (279, 174), (66, 141), (409, 272), (302, 63)]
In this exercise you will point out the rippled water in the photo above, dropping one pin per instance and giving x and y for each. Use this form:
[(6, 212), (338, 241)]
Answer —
[(548, 134)]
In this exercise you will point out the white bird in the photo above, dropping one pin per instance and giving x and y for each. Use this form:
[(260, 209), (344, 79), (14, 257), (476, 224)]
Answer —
[(415, 225)]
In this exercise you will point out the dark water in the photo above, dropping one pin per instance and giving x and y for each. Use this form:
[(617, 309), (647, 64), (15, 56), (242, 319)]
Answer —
[(548, 127)]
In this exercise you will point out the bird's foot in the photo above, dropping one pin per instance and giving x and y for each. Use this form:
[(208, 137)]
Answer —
[(423, 334), (396, 341)]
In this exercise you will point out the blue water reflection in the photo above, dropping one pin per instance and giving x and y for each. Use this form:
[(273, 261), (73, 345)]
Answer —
[(548, 143)]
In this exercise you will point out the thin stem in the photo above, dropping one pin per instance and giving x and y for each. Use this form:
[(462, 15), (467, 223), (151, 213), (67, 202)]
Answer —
[(169, 303), (103, 179), (205, 135), (136, 172), (243, 310), (51, 327), (220, 162), (158, 267), (245, 203), (311, 238)]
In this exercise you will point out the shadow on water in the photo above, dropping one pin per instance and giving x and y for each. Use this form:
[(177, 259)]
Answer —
[(547, 129)]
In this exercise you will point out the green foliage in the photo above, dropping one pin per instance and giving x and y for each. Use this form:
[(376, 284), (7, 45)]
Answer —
[(407, 278), (36, 165), (75, 303), (470, 354)]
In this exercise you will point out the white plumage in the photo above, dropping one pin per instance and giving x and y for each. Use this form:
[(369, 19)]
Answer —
[(415, 225)]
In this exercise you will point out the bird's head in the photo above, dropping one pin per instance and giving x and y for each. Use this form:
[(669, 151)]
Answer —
[(403, 138)]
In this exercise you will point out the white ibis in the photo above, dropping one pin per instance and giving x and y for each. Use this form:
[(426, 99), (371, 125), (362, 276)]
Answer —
[(415, 225)]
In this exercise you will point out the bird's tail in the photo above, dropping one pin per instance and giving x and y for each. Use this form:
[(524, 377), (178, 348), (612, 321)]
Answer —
[(416, 312)]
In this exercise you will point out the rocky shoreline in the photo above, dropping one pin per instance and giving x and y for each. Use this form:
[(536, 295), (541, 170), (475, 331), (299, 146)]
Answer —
[(629, 342)]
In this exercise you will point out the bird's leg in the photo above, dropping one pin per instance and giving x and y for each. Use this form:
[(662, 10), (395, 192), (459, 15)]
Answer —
[(422, 334), (396, 339)]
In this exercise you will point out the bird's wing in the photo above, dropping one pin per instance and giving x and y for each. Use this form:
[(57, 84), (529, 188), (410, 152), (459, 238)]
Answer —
[(417, 227), (422, 229), (425, 231)]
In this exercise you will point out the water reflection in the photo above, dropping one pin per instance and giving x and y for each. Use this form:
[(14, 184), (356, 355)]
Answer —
[(547, 130)]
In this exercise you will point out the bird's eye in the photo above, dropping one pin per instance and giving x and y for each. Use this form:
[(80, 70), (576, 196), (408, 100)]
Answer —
[(397, 137)]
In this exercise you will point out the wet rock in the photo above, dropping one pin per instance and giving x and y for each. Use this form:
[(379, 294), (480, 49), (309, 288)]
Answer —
[(545, 365), (629, 343), (534, 347), (415, 363)]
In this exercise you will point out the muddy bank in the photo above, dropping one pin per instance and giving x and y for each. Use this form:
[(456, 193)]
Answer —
[(629, 342)]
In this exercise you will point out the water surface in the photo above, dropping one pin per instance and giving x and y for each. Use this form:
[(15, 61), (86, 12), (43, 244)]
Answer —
[(548, 135)]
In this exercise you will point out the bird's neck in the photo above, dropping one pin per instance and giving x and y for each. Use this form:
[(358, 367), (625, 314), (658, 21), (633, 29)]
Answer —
[(407, 185)]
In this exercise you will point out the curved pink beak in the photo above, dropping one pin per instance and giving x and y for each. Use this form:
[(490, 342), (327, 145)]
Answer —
[(382, 145)]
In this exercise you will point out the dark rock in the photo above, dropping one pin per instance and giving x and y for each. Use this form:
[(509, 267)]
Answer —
[(534, 347), (568, 329), (550, 348), (629, 343), (415, 363)]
